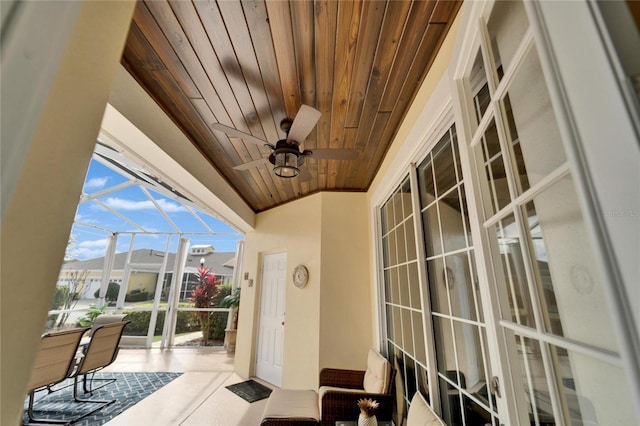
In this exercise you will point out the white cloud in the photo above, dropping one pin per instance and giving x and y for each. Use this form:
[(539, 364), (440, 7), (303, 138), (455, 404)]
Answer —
[(89, 249), (86, 219), (132, 205), (93, 243), (96, 183)]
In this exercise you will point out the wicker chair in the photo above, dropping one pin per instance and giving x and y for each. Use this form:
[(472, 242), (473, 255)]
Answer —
[(341, 389)]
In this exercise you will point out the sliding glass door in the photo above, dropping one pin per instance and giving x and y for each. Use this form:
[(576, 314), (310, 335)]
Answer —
[(463, 365), (435, 330), (553, 316), (403, 298), (494, 303)]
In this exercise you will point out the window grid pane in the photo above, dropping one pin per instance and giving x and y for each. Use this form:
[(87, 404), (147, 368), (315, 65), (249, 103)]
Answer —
[(461, 357), (546, 265), (403, 306)]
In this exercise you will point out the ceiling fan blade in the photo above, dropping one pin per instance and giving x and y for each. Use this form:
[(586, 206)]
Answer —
[(335, 154), (250, 164), (230, 131), (303, 123)]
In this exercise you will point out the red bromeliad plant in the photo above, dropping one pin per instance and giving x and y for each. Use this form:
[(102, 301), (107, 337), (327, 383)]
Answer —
[(202, 297)]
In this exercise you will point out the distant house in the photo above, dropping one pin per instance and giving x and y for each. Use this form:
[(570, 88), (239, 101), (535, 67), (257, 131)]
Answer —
[(144, 266)]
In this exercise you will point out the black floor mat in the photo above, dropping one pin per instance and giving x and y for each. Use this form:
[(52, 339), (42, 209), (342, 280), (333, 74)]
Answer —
[(250, 390)]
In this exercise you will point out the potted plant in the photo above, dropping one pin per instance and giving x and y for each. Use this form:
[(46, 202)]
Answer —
[(231, 301), (367, 412)]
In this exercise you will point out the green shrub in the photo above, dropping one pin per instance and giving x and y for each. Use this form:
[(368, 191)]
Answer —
[(59, 299), (164, 296), (60, 296), (112, 292), (139, 325), (217, 325), (225, 290), (218, 320), (137, 296), (187, 322), (139, 322)]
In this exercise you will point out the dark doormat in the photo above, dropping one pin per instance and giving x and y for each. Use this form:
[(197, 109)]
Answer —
[(250, 390)]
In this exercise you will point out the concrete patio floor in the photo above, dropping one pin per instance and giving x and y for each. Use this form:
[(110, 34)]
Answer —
[(198, 397)]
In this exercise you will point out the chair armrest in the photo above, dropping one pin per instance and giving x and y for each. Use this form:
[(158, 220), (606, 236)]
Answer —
[(338, 405), (352, 379)]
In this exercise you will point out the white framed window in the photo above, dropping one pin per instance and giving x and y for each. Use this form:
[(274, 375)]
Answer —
[(520, 316), (551, 315)]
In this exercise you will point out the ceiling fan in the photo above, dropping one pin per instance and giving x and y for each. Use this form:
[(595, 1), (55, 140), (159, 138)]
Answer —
[(286, 155)]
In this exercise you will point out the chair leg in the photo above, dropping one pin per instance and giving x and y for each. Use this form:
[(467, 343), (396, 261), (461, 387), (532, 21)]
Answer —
[(91, 389), (103, 403), (34, 420), (77, 399)]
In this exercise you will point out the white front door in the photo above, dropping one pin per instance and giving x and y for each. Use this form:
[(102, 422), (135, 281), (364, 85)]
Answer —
[(271, 321)]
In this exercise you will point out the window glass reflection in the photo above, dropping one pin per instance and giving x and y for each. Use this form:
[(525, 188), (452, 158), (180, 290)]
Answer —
[(494, 167), (540, 146), (582, 383), (514, 276), (460, 286), (566, 273), (507, 25)]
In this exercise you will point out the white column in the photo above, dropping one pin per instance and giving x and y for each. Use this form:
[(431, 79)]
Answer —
[(235, 280), (109, 257), (125, 277), (158, 294), (174, 293)]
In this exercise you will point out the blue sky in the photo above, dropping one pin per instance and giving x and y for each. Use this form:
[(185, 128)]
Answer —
[(131, 202)]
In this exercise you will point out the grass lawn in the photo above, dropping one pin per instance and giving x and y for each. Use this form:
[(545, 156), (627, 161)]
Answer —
[(158, 338)]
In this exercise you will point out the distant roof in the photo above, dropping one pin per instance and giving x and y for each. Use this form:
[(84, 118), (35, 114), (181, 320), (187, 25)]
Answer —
[(202, 246), (220, 263)]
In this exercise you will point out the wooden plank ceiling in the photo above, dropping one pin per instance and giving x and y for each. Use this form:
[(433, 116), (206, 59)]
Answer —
[(249, 64)]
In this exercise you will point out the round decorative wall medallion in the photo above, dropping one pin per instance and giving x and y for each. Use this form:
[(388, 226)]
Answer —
[(300, 276)]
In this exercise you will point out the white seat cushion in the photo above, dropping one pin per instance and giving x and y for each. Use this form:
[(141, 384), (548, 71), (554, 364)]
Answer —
[(376, 378), (288, 403), (420, 414)]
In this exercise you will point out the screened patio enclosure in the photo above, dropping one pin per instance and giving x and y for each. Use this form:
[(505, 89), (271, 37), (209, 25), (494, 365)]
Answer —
[(138, 246)]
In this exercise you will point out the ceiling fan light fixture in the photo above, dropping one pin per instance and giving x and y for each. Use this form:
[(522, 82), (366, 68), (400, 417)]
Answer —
[(286, 164)]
